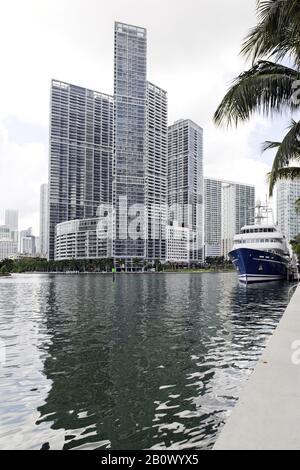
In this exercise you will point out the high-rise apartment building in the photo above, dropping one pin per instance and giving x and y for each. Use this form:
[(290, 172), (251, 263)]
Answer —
[(228, 207), (80, 160), (8, 248), (212, 217), (140, 152), (38, 247), (288, 191), (156, 172), (185, 181), (43, 239), (8, 244), (84, 170), (12, 221), (27, 242), (119, 150), (178, 242), (130, 114), (28, 245)]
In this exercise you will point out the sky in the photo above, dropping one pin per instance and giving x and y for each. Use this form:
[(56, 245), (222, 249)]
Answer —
[(193, 53)]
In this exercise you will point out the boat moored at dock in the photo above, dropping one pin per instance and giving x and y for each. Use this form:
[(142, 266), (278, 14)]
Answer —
[(261, 253)]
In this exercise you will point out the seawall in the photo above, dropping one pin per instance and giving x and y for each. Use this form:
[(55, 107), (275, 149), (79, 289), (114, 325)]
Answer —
[(267, 415)]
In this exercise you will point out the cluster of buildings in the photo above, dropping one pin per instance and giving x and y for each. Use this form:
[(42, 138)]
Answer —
[(15, 243), (124, 184), (228, 207), (9, 235)]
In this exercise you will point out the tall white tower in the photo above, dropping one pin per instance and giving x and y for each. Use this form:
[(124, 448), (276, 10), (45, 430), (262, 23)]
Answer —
[(287, 215), (43, 244)]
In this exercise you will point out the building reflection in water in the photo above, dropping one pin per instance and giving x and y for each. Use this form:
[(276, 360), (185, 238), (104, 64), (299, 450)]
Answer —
[(148, 361)]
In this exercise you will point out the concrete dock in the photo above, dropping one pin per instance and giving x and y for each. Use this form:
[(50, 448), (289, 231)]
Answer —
[(267, 415)]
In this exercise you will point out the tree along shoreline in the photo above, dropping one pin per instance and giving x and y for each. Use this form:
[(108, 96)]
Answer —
[(105, 266)]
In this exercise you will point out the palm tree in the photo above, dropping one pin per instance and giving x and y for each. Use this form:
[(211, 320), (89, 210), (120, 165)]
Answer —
[(269, 86)]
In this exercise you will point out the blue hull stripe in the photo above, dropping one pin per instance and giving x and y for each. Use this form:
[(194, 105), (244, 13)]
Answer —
[(258, 266)]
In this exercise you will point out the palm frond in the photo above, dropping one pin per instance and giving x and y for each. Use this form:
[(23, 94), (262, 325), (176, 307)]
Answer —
[(290, 173), (277, 33), (268, 145), (267, 87), (288, 149)]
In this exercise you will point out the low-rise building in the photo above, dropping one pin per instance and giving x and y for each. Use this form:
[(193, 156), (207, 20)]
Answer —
[(178, 247), (81, 239), (8, 243), (8, 248)]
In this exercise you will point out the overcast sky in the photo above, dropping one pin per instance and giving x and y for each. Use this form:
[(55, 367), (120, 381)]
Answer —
[(193, 53)]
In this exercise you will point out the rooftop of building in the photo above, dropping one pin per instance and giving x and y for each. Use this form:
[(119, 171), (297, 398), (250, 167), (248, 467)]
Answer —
[(129, 27), (186, 122), (65, 85), (208, 178), (151, 84)]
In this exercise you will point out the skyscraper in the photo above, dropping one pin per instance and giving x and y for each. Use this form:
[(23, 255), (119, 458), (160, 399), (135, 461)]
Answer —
[(81, 145), (12, 219), (130, 93), (288, 217), (212, 217), (228, 207), (156, 172), (112, 150), (28, 245), (8, 245), (27, 242), (185, 181), (140, 152), (43, 243), (12, 222)]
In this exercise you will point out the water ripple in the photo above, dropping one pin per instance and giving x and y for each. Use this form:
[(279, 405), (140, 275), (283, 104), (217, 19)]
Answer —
[(148, 362)]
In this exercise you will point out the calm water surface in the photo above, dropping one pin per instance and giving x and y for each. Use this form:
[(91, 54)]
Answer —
[(152, 361)]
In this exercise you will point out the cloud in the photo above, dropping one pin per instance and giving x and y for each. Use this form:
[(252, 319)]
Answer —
[(193, 52), (22, 168), (230, 156)]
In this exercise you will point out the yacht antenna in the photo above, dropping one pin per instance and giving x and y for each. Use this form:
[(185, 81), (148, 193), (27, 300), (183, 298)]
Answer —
[(259, 217)]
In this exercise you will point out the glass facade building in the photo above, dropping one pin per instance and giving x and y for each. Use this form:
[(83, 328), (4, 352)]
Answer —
[(228, 207), (130, 95), (287, 215), (185, 181), (118, 151), (80, 159), (212, 217), (12, 221), (113, 150), (140, 152), (8, 244), (156, 172), (43, 248)]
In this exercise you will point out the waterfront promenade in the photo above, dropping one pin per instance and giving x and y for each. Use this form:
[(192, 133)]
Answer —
[(267, 415)]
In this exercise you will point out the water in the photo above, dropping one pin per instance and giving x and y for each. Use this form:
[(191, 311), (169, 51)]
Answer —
[(152, 361)]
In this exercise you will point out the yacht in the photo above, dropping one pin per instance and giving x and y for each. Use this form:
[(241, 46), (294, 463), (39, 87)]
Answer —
[(260, 252)]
